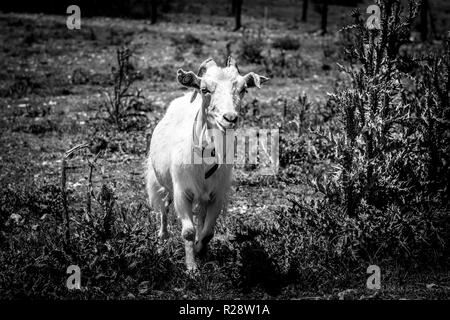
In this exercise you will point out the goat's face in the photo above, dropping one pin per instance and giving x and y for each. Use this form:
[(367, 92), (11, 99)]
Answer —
[(222, 90)]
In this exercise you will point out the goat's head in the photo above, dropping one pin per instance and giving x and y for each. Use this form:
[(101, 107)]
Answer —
[(222, 89)]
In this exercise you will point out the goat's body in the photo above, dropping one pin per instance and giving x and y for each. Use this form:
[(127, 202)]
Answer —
[(173, 170), (171, 175), (171, 153)]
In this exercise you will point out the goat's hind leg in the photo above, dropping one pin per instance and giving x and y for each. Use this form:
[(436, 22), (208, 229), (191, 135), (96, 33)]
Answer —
[(159, 200), (163, 233)]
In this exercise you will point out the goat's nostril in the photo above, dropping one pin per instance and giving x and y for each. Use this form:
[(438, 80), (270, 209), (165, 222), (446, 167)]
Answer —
[(230, 117)]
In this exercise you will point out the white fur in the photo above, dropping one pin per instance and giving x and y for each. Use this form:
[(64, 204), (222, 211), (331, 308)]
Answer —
[(169, 174)]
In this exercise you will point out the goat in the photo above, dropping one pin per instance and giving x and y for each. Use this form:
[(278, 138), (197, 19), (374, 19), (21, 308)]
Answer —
[(172, 176)]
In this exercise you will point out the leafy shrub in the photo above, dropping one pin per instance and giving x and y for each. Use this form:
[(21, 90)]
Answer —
[(286, 43), (22, 86), (185, 43), (285, 64), (34, 257), (319, 245), (306, 155), (39, 126), (251, 47), (81, 76), (44, 84), (381, 153), (160, 73)]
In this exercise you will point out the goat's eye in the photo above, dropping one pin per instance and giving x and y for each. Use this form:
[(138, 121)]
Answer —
[(205, 90)]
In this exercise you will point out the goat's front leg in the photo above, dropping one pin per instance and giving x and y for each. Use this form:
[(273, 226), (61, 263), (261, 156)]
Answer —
[(200, 221), (207, 232), (163, 233), (183, 207)]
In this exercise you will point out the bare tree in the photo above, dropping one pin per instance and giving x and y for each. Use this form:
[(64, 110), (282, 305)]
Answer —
[(424, 20), (324, 14), (237, 15), (305, 10), (233, 8), (154, 8)]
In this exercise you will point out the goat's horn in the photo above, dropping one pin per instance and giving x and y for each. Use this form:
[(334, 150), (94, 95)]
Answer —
[(205, 65), (231, 62), (201, 71)]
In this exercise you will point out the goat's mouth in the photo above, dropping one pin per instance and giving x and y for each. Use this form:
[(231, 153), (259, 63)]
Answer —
[(225, 126)]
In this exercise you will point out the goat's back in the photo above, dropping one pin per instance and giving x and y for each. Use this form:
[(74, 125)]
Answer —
[(171, 139)]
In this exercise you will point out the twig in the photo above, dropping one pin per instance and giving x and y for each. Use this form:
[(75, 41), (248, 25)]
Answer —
[(64, 200), (64, 190), (106, 198), (69, 152), (90, 192)]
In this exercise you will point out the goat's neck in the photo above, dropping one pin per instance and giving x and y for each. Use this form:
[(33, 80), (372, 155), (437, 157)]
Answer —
[(202, 135)]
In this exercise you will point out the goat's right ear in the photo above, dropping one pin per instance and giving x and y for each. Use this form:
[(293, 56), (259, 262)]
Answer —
[(188, 79), (254, 80)]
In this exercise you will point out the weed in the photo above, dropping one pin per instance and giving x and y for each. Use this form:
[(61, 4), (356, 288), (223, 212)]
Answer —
[(286, 43), (122, 100)]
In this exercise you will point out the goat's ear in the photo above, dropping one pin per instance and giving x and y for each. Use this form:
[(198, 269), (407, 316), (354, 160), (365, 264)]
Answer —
[(188, 79), (254, 80)]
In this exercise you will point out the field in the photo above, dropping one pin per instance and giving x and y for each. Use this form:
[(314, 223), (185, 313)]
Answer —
[(53, 85)]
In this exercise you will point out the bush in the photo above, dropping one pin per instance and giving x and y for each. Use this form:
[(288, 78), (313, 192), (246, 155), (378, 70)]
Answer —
[(318, 246), (251, 48), (185, 43), (285, 64), (385, 153), (286, 43), (34, 256)]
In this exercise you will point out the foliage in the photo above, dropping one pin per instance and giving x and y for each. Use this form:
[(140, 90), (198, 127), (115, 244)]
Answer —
[(34, 256), (381, 153), (186, 42), (318, 245), (286, 43), (252, 46), (281, 63)]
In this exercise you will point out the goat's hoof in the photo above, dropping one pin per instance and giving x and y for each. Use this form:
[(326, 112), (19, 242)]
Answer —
[(192, 270), (163, 235), (188, 234), (200, 250)]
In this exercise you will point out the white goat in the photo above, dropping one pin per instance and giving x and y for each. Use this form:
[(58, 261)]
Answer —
[(171, 173)]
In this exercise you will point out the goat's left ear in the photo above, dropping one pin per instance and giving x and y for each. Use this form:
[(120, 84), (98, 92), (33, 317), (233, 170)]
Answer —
[(254, 80), (188, 79)]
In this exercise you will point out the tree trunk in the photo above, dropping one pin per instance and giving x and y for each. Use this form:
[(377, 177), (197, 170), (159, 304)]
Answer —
[(424, 20), (238, 4), (154, 4), (233, 7), (324, 13), (305, 10)]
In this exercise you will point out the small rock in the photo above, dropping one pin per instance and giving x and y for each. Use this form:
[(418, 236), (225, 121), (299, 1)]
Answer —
[(15, 217), (343, 294), (431, 286), (144, 287)]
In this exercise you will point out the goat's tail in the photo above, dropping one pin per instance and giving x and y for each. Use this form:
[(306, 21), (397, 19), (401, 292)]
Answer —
[(157, 194)]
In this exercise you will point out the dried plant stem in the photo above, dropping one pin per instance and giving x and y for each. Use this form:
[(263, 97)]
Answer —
[(64, 200), (64, 169)]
